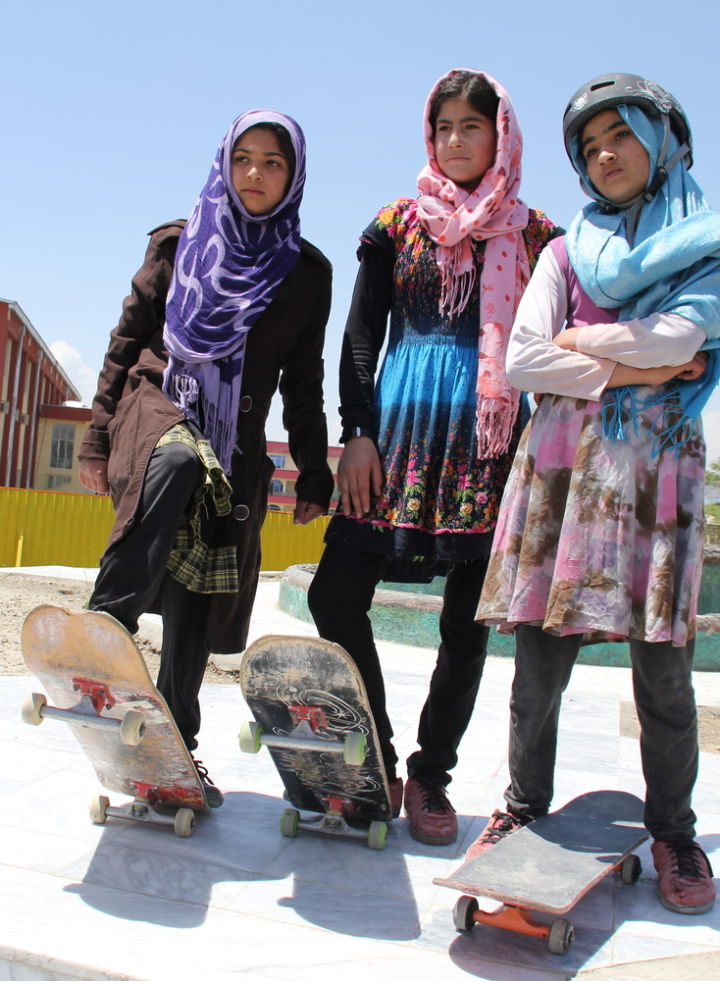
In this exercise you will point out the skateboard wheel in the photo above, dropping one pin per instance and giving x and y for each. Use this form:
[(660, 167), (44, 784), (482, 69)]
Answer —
[(289, 822), (250, 737), (184, 823), (463, 918), (32, 706), (132, 728), (630, 869), (98, 810), (377, 835), (355, 748), (560, 937)]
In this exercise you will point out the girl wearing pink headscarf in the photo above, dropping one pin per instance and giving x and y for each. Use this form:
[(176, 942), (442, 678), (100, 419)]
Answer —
[(428, 445)]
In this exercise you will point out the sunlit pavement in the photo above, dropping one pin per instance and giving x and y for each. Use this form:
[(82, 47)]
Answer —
[(239, 899)]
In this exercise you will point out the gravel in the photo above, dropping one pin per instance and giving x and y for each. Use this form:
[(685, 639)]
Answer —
[(20, 593)]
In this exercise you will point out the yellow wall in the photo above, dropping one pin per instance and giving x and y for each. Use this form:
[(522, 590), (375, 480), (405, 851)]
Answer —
[(284, 544), (52, 528)]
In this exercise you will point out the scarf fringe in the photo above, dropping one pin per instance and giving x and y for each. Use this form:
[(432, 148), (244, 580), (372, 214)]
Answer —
[(623, 402), (616, 403), (455, 291), (217, 420), (495, 424), (183, 391)]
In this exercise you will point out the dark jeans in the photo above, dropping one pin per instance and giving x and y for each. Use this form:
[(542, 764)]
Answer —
[(132, 575), (665, 702), (340, 598)]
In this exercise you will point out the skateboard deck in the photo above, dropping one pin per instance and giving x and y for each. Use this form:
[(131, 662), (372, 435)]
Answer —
[(550, 864), (312, 712), (92, 669)]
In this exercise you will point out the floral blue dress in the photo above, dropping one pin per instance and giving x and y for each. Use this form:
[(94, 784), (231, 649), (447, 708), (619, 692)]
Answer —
[(438, 500)]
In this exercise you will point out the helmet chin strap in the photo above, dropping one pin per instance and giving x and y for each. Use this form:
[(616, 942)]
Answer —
[(635, 206)]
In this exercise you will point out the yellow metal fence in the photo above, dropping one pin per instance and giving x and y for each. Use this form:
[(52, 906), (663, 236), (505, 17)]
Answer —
[(52, 528)]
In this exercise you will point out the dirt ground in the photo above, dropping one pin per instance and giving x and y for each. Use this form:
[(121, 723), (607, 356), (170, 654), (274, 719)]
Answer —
[(19, 594)]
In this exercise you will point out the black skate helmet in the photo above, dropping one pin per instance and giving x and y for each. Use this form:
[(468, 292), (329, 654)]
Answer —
[(620, 88)]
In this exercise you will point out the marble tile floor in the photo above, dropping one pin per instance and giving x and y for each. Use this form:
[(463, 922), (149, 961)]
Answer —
[(238, 899)]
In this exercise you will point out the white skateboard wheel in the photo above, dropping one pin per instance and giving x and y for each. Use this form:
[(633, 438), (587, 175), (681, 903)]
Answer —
[(132, 728), (98, 809), (184, 824), (32, 706)]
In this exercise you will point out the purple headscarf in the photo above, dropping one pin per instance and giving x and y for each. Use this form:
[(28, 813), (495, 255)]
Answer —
[(228, 266)]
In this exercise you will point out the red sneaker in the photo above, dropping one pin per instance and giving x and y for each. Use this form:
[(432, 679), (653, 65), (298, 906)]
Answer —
[(500, 825), (684, 876), (396, 795), (430, 813)]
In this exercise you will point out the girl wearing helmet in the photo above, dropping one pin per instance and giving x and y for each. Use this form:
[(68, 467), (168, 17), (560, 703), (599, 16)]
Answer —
[(600, 534)]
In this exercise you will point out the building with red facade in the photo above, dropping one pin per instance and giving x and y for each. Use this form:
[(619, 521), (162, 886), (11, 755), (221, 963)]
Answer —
[(30, 379), (282, 485), (40, 435)]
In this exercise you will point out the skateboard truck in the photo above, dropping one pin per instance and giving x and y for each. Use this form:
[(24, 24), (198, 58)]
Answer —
[(141, 810), (558, 934), (334, 822), (87, 710), (307, 719)]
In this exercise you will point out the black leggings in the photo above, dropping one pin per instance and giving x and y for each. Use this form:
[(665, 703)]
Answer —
[(340, 598)]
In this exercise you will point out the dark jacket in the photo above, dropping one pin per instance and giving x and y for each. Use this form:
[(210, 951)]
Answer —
[(130, 411)]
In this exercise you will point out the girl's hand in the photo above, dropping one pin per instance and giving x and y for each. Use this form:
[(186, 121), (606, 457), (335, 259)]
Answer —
[(359, 475), (94, 475), (693, 369), (306, 511), (624, 375)]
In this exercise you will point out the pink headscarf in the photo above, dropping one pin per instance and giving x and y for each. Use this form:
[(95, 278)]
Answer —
[(493, 211)]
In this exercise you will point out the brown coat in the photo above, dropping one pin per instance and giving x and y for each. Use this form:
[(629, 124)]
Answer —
[(130, 411)]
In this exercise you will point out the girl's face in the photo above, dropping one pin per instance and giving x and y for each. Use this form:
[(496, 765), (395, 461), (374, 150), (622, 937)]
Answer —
[(260, 171), (617, 163), (465, 143)]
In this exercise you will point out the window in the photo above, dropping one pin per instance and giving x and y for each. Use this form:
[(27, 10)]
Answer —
[(61, 449), (276, 487), (278, 459)]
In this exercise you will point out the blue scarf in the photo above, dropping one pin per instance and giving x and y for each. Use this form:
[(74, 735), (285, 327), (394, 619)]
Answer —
[(671, 266), (228, 267)]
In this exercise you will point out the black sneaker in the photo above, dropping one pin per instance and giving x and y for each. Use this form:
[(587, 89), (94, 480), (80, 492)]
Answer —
[(213, 795)]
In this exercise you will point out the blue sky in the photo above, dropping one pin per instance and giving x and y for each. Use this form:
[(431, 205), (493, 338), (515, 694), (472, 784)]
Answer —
[(111, 114)]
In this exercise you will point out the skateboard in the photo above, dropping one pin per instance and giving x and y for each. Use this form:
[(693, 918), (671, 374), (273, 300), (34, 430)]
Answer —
[(312, 712), (548, 866), (92, 669)]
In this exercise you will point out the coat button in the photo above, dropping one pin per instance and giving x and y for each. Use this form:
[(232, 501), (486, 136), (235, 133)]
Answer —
[(245, 403), (241, 512)]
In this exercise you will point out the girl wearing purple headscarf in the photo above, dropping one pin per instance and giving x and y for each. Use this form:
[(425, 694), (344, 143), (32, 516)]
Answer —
[(226, 307)]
